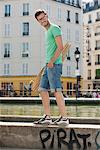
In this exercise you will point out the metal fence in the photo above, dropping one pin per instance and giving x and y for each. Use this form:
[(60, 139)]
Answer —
[(67, 93)]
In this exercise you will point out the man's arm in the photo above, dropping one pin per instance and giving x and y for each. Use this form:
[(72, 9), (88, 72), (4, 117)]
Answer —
[(58, 51)]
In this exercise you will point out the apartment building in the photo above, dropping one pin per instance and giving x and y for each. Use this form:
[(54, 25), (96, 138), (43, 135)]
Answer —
[(91, 69), (22, 45)]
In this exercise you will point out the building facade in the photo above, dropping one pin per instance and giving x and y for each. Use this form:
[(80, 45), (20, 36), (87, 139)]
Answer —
[(91, 69), (22, 48)]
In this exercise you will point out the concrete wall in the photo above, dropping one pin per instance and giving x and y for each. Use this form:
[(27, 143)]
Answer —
[(27, 135)]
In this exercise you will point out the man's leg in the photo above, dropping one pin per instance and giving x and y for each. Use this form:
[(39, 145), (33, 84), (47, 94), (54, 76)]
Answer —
[(46, 119), (60, 103), (63, 120), (46, 102)]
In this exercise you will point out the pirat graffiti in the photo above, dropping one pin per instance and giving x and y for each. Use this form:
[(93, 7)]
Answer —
[(62, 138)]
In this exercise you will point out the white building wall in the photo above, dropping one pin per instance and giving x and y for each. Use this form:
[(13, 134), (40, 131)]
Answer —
[(36, 41), (92, 28)]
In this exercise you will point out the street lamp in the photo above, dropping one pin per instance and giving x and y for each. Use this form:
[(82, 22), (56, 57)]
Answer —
[(77, 57)]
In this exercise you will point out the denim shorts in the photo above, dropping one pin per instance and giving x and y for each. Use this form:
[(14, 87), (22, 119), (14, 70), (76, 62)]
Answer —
[(51, 79)]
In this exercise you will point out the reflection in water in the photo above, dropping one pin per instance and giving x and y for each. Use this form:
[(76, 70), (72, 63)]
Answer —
[(37, 110)]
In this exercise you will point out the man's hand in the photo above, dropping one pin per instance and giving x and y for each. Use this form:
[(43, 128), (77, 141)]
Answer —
[(50, 65)]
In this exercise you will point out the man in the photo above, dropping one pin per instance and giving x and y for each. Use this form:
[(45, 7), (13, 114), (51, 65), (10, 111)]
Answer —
[(51, 77)]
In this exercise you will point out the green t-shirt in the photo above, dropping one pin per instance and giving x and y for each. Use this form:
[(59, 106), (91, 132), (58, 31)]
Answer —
[(51, 45)]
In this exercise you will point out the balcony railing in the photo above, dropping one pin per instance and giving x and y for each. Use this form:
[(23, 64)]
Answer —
[(25, 55), (25, 33), (98, 33), (7, 14), (68, 58), (77, 22), (89, 78), (69, 3), (25, 13), (97, 48), (68, 19), (90, 21), (98, 19), (6, 55), (89, 64), (88, 49), (88, 34), (97, 77), (97, 63)]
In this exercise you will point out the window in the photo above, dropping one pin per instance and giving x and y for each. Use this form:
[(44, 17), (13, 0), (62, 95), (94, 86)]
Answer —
[(68, 55), (97, 59), (77, 2), (7, 30), (7, 10), (97, 45), (26, 9), (68, 15), (97, 71), (89, 74), (89, 60), (98, 16), (21, 88), (68, 34), (77, 18), (89, 19), (25, 28), (25, 49), (48, 10), (77, 36), (72, 2), (97, 31), (7, 50), (59, 13), (69, 88), (67, 1), (6, 69), (25, 68), (68, 71), (89, 86)]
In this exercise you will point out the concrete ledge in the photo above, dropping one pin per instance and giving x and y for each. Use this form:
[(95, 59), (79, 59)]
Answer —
[(73, 120), (37, 100), (30, 136)]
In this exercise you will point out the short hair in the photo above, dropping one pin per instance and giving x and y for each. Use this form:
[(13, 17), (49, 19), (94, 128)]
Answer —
[(38, 12)]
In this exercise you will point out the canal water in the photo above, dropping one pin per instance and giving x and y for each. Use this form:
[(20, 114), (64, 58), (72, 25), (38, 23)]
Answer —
[(37, 110)]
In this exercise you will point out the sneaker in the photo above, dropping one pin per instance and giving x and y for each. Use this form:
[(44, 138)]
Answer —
[(61, 121), (45, 120)]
